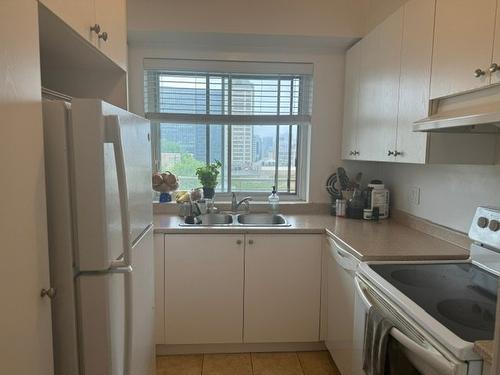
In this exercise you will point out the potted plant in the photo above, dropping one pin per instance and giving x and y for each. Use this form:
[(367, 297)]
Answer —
[(207, 175)]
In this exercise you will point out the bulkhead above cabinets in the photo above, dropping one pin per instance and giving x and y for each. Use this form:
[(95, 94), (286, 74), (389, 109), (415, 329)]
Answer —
[(388, 88)]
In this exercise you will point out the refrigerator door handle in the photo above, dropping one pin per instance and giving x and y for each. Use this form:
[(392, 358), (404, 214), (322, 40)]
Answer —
[(113, 135)]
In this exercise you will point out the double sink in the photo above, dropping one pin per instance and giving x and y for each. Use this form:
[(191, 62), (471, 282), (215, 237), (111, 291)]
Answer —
[(238, 220)]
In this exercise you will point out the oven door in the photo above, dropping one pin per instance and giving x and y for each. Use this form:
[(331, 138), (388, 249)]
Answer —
[(419, 349)]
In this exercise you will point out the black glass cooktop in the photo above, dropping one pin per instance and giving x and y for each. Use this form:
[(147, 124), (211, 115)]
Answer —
[(462, 297)]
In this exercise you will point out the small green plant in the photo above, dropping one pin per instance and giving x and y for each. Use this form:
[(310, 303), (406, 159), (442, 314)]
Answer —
[(208, 174)]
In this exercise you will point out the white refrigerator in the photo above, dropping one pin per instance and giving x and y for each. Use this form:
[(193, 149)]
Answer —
[(99, 198)]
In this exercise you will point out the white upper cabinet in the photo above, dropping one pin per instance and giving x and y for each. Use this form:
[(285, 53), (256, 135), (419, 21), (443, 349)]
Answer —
[(463, 43), (79, 14), (111, 15), (416, 58), (379, 87), (495, 64), (393, 70), (351, 103), (368, 106), (100, 22)]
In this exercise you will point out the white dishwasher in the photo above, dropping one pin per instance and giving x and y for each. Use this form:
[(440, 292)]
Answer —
[(341, 270)]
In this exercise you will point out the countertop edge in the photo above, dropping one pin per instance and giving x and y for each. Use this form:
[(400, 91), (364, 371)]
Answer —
[(485, 350)]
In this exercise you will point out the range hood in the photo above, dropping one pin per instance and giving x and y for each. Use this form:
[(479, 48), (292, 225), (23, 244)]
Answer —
[(472, 112)]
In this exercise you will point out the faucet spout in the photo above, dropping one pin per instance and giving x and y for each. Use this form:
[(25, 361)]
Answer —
[(235, 204)]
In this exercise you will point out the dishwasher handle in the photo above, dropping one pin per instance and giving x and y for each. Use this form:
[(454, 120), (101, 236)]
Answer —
[(344, 258)]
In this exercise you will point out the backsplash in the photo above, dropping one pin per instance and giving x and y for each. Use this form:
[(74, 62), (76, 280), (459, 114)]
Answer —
[(449, 194)]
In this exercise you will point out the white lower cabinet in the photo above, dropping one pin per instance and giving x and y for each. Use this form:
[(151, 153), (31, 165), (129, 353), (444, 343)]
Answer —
[(282, 288), (203, 288), (225, 288)]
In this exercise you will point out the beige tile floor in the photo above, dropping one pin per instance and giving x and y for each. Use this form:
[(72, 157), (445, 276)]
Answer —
[(293, 363)]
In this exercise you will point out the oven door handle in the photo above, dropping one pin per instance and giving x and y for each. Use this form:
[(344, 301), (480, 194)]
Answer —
[(432, 358), (362, 294)]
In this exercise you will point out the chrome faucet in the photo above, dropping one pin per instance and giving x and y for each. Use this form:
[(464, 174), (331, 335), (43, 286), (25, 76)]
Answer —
[(235, 204)]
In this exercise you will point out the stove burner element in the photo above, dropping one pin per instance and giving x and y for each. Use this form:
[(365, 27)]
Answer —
[(469, 313), (417, 278)]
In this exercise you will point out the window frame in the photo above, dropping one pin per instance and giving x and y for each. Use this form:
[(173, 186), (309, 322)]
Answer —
[(302, 161)]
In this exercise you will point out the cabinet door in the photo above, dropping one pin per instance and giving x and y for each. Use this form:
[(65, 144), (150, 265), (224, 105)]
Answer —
[(112, 16), (495, 73), (25, 324), (351, 95), (379, 89), (78, 14), (282, 288), (203, 289), (463, 42), (416, 58)]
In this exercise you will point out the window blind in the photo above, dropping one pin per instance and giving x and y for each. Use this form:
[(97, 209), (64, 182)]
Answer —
[(245, 94)]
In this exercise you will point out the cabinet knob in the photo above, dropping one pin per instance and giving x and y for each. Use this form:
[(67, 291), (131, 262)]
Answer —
[(96, 28), (390, 153), (356, 152), (250, 242), (352, 153), (238, 242), (494, 68), (51, 293), (397, 153), (103, 36), (479, 72)]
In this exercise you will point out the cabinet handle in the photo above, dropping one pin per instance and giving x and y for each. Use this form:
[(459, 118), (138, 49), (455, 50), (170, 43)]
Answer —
[(494, 68), (96, 28), (250, 242), (103, 36), (479, 72), (390, 153), (51, 293), (238, 242), (397, 153)]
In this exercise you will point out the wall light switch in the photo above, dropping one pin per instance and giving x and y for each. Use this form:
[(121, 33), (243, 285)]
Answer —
[(414, 195)]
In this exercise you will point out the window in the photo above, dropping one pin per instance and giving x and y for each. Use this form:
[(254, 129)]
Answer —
[(256, 124)]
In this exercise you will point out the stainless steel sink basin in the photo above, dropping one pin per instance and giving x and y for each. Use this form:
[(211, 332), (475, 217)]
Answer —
[(212, 220), (262, 220), (241, 220)]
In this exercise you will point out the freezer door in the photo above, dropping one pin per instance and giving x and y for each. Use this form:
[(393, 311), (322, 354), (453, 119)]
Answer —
[(111, 171), (101, 328)]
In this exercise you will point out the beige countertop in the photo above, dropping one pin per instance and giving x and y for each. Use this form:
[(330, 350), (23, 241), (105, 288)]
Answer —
[(485, 350), (386, 240)]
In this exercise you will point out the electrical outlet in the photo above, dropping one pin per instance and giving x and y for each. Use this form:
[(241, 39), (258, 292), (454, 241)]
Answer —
[(414, 196)]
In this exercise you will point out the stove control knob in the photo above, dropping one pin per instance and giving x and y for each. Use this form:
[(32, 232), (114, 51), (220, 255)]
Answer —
[(482, 222), (494, 225)]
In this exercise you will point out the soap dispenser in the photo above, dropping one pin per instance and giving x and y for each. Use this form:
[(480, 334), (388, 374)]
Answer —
[(274, 201)]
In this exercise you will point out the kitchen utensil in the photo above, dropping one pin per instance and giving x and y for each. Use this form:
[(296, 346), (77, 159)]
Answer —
[(343, 179)]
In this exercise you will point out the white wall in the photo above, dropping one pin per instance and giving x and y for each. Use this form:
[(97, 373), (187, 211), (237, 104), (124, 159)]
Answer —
[(328, 93), (326, 18)]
